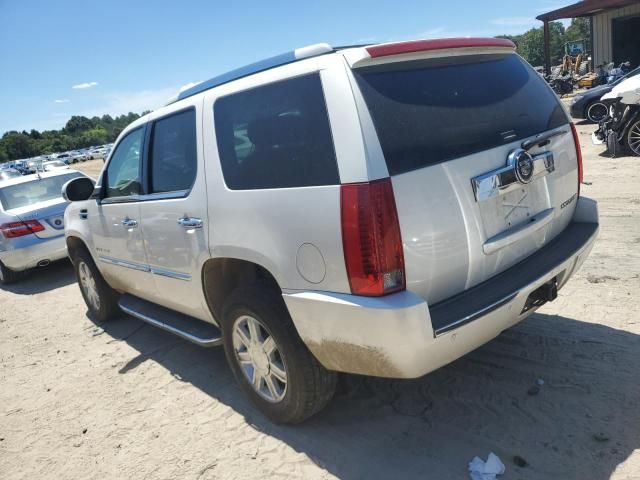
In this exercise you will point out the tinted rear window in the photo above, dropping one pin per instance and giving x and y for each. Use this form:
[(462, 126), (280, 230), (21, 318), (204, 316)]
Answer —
[(427, 112), (276, 136), (38, 190)]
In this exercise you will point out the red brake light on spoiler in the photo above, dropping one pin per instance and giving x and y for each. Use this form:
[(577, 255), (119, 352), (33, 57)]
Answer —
[(412, 46), (20, 229), (371, 238)]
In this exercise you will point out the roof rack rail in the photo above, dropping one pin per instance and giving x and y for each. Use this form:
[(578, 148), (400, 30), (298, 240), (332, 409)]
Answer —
[(260, 66)]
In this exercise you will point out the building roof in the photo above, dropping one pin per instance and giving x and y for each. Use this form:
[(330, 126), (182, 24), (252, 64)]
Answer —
[(584, 9)]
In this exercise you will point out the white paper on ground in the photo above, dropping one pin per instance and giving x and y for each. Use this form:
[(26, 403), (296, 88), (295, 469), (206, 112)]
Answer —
[(481, 470)]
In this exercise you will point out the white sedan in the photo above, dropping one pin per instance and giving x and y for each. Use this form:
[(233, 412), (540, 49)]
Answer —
[(32, 222)]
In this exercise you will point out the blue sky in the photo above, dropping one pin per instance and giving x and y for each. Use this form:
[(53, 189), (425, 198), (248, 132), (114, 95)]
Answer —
[(64, 57)]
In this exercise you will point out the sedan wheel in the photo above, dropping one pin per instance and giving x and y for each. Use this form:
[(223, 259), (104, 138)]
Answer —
[(596, 112), (259, 357)]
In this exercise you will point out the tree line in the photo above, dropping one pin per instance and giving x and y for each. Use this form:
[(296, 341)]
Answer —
[(530, 45), (79, 132)]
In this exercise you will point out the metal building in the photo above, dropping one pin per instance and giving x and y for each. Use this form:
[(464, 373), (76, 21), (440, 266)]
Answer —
[(615, 29)]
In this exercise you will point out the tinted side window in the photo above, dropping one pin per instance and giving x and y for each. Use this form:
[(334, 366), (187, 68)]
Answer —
[(173, 153), (427, 112), (276, 136), (123, 172)]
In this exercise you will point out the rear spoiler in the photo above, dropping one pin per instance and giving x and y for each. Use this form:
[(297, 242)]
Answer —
[(414, 49)]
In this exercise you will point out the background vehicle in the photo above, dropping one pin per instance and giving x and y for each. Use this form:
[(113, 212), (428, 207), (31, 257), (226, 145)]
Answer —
[(620, 129), (347, 210), (587, 105), (54, 165), (31, 222)]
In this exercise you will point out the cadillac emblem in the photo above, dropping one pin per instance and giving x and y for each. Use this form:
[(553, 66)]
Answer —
[(522, 162)]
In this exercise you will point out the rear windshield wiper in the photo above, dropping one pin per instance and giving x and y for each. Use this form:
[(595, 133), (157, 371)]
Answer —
[(541, 140)]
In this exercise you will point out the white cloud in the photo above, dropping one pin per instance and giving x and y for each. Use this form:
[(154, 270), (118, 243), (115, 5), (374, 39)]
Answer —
[(61, 100), (81, 86), (513, 21)]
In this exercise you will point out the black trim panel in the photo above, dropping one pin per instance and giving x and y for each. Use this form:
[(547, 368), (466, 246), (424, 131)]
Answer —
[(487, 296)]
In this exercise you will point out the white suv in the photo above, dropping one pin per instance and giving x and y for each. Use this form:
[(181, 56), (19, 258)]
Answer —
[(378, 210)]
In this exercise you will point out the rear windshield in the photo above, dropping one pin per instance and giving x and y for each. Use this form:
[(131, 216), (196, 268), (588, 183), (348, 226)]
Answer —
[(430, 111), (38, 190)]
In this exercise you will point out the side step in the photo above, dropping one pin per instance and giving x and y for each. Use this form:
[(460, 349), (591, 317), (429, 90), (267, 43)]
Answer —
[(192, 329)]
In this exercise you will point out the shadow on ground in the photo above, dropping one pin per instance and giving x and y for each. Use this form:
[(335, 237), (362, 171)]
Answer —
[(38, 280), (583, 422)]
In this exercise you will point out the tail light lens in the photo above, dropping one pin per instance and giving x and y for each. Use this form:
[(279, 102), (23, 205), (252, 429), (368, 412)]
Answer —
[(20, 229), (371, 238), (576, 140)]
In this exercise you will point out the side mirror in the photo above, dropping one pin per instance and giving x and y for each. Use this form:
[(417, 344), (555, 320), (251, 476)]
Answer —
[(78, 189)]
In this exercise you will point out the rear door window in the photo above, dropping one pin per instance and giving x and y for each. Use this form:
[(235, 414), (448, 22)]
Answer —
[(173, 154), (430, 111), (276, 136)]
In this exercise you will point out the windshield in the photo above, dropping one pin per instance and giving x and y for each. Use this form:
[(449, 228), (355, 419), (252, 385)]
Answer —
[(431, 111), (36, 191), (6, 174)]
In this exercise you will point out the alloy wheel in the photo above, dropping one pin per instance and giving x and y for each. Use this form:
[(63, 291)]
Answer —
[(633, 138), (259, 358), (88, 284)]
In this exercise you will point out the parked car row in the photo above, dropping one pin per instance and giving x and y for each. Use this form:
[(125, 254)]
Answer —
[(44, 162)]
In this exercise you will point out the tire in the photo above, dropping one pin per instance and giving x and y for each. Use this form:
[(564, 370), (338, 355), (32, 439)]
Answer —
[(632, 138), (8, 276), (101, 299), (596, 112), (278, 352)]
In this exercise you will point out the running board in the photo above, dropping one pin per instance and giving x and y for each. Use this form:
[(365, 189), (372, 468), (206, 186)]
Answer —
[(196, 331)]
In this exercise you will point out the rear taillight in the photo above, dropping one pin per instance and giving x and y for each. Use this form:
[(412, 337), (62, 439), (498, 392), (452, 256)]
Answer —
[(371, 238), (576, 140), (20, 229)]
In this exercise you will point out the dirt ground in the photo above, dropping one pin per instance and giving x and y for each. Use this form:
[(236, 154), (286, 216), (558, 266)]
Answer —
[(124, 400)]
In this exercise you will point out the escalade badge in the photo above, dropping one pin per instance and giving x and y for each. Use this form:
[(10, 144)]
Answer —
[(522, 165)]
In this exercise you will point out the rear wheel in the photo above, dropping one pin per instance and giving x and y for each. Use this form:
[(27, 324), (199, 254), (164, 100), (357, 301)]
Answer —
[(268, 358), (101, 299), (7, 275), (632, 138), (596, 112)]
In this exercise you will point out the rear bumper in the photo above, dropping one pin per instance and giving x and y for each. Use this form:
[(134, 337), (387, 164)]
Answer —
[(26, 252), (400, 336)]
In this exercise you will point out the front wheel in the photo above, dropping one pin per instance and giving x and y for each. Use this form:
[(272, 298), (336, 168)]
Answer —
[(101, 299), (596, 112), (269, 360), (632, 138)]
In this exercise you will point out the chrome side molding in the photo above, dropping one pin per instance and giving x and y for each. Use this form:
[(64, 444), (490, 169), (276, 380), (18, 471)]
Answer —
[(521, 168)]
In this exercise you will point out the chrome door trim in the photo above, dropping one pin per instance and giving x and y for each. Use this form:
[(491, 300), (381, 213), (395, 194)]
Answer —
[(505, 179), (124, 263), (170, 274), (145, 268)]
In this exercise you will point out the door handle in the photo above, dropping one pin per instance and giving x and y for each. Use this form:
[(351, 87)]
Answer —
[(190, 222), (129, 223)]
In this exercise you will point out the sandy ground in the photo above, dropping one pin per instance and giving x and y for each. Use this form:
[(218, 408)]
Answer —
[(123, 400)]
